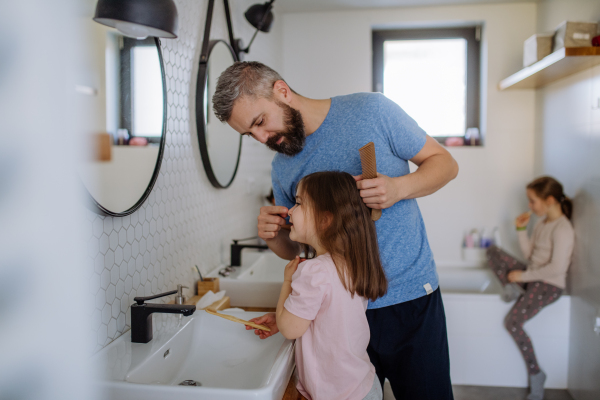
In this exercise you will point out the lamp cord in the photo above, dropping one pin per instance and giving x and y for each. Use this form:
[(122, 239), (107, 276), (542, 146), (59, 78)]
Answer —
[(247, 49)]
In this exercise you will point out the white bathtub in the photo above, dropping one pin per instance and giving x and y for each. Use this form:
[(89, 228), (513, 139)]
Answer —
[(481, 351), (468, 280)]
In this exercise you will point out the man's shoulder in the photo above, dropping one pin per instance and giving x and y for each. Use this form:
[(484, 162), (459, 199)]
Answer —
[(359, 98)]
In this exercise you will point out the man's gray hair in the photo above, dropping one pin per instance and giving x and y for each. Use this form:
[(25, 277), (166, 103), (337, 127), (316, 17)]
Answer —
[(247, 78)]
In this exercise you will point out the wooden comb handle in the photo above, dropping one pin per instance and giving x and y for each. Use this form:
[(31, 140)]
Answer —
[(238, 320), (369, 170)]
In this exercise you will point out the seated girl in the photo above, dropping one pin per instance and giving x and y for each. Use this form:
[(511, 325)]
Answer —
[(541, 281)]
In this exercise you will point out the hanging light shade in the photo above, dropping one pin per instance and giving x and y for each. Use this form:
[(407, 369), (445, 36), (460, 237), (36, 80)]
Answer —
[(260, 16), (139, 18)]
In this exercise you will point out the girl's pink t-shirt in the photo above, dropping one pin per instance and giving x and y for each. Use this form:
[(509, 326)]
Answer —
[(331, 356)]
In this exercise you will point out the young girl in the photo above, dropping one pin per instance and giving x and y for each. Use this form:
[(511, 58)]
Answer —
[(542, 280), (323, 300)]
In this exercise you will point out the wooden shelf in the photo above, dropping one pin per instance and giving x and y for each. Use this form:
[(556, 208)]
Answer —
[(561, 63)]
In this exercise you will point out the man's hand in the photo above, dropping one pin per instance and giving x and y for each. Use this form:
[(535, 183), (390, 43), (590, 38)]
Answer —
[(515, 276), (269, 320), (381, 192), (270, 221)]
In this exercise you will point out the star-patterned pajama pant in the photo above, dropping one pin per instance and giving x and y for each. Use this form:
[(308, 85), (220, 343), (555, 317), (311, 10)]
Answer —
[(537, 296)]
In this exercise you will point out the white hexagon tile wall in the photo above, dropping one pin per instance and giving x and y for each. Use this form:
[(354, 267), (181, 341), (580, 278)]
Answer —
[(185, 221)]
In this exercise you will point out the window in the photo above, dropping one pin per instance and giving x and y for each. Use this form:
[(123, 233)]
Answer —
[(433, 74), (136, 78), (146, 93)]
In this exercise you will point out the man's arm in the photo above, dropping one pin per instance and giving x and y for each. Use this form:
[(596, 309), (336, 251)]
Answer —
[(283, 246), (436, 167)]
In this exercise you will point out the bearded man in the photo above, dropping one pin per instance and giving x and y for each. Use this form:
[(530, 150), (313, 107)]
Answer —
[(408, 344)]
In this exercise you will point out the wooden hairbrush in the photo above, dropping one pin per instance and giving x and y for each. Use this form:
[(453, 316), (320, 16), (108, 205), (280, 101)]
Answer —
[(369, 170)]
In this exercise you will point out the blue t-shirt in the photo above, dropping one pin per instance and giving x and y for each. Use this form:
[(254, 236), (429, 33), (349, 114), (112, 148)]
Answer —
[(353, 121)]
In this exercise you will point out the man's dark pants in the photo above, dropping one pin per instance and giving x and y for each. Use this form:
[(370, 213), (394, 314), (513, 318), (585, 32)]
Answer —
[(409, 347)]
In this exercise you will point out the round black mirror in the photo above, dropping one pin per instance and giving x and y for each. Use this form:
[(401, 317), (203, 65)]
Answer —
[(121, 116), (220, 144)]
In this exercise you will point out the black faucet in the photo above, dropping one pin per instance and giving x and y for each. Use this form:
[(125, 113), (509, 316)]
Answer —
[(141, 315), (236, 250)]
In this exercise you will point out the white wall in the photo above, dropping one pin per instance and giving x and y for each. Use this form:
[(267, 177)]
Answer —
[(184, 221), (327, 54), (42, 323), (567, 147)]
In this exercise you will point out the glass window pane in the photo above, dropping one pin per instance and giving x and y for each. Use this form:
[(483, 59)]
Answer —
[(147, 92), (427, 78)]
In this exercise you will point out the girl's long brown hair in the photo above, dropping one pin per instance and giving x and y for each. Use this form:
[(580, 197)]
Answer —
[(349, 236), (546, 186)]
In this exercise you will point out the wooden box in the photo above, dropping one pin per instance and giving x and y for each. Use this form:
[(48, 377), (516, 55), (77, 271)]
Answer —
[(102, 147), (574, 34), (536, 47), (208, 284)]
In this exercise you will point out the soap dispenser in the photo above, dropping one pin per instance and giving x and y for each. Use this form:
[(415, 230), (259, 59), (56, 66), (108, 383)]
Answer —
[(180, 299)]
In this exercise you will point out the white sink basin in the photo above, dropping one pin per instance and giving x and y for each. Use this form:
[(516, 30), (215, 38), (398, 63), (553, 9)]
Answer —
[(229, 362), (257, 283)]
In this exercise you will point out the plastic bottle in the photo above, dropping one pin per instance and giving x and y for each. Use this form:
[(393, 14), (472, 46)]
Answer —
[(486, 239), (469, 241), (476, 238), (496, 236)]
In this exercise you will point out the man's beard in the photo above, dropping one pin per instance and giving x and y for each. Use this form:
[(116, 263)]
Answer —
[(293, 136)]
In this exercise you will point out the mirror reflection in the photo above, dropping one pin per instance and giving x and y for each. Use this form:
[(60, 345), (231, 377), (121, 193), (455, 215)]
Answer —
[(121, 115), (220, 144)]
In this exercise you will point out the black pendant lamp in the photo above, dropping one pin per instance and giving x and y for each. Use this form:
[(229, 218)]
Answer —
[(139, 18), (259, 16)]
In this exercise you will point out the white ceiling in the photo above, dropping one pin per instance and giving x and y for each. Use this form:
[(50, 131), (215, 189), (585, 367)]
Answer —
[(289, 6)]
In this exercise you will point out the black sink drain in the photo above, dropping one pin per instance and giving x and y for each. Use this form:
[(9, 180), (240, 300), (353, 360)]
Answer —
[(190, 382)]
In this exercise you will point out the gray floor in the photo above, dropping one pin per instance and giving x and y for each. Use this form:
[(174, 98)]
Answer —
[(503, 393), (490, 393)]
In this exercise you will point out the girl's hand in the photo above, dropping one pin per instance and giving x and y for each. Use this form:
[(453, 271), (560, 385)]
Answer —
[(268, 320), (522, 220), (515, 276), (290, 269)]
